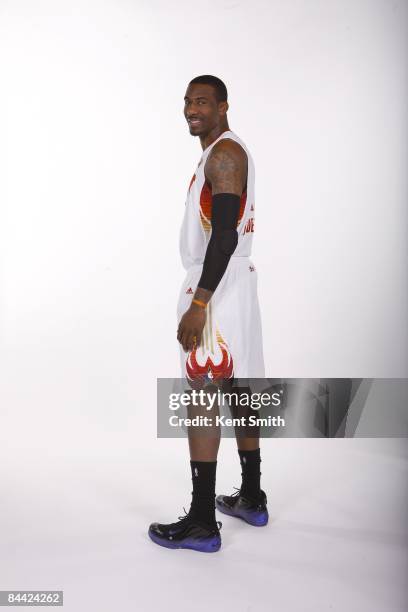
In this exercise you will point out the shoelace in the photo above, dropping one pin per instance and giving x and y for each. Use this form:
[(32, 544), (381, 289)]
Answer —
[(237, 492), (183, 517), (186, 516)]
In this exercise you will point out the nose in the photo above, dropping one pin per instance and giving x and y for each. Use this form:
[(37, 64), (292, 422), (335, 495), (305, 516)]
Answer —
[(190, 110)]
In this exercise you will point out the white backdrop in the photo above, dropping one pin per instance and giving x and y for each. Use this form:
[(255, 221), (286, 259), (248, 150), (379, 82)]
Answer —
[(96, 160), (99, 158)]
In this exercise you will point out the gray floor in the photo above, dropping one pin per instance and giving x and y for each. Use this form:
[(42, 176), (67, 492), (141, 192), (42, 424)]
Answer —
[(337, 538)]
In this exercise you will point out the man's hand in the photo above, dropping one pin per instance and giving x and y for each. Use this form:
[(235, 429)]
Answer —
[(191, 327)]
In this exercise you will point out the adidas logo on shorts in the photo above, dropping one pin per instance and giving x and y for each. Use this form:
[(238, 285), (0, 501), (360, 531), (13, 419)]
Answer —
[(189, 290)]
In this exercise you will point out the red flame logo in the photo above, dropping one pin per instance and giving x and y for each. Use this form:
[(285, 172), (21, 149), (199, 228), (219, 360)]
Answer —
[(210, 372)]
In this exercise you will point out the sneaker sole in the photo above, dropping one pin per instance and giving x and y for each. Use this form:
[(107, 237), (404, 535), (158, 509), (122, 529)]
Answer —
[(206, 546), (260, 522)]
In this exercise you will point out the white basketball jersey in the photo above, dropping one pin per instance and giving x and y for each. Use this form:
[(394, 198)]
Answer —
[(196, 227)]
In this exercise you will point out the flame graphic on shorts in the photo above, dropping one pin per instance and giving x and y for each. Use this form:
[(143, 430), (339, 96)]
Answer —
[(209, 364)]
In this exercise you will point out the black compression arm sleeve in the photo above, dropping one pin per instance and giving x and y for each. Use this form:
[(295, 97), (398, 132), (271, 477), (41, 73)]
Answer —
[(223, 241)]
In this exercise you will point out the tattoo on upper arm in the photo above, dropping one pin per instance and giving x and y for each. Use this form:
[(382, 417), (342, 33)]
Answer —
[(226, 169)]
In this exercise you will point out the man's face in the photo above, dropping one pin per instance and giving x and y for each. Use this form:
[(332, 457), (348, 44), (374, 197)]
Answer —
[(201, 109)]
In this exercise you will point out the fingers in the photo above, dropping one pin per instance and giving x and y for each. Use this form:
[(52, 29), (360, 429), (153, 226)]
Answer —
[(188, 338), (182, 335), (186, 344), (199, 336), (181, 332), (182, 338)]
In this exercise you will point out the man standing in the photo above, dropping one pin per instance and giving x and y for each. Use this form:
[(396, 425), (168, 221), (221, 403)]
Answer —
[(219, 328)]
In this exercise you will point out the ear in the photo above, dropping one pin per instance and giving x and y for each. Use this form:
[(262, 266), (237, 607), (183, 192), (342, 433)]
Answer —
[(223, 107)]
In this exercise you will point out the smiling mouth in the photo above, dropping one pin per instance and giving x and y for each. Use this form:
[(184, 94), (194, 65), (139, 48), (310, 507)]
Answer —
[(194, 121)]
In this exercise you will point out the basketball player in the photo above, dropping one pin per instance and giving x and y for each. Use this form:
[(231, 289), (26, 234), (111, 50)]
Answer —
[(219, 321)]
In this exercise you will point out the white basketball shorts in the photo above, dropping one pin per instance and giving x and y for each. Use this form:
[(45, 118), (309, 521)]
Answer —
[(232, 337)]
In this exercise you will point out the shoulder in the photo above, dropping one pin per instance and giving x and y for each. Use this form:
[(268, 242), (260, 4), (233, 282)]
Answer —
[(226, 167), (226, 156), (228, 150)]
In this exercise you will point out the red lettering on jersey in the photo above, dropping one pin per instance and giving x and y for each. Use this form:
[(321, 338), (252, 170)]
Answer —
[(249, 226)]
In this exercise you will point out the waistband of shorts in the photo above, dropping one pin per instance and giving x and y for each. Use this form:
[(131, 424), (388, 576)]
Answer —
[(235, 259)]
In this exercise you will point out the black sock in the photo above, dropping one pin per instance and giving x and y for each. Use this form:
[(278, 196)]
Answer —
[(251, 472), (203, 503)]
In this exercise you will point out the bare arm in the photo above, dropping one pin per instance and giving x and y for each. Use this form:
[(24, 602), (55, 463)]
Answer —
[(226, 168), (226, 171)]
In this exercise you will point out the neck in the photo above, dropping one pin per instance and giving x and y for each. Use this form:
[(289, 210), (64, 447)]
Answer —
[(213, 135)]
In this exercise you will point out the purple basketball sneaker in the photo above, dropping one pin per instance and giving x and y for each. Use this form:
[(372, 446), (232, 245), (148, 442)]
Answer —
[(253, 511), (187, 533)]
